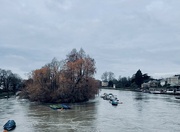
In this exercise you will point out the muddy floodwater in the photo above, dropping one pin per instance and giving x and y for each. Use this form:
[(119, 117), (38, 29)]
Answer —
[(139, 112)]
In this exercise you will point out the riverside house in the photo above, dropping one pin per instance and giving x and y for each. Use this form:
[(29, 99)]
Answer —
[(151, 83), (173, 81), (174, 85), (104, 83), (158, 86)]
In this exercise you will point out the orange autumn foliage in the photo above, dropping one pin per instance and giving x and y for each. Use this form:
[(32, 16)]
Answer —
[(70, 80)]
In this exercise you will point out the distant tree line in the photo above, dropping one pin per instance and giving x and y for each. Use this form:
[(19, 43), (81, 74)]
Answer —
[(9, 82), (126, 82), (69, 80)]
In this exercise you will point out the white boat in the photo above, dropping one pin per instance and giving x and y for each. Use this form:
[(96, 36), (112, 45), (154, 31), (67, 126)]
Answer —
[(155, 92), (170, 91), (177, 92)]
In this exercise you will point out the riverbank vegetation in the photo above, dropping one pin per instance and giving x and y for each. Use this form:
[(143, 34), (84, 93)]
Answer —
[(9, 83), (69, 80), (126, 82)]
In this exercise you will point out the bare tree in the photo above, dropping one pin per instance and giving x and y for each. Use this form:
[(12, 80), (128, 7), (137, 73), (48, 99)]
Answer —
[(111, 76), (104, 76), (108, 76)]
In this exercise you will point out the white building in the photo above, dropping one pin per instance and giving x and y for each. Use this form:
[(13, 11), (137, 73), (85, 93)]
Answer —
[(145, 85), (174, 80), (104, 84), (151, 83)]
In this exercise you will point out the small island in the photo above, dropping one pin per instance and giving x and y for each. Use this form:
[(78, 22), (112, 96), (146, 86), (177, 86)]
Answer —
[(67, 81)]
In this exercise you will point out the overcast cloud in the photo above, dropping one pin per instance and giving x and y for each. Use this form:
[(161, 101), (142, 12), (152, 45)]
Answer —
[(121, 35)]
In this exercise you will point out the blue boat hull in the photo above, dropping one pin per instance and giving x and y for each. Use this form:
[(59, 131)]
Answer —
[(10, 125), (66, 106), (114, 102)]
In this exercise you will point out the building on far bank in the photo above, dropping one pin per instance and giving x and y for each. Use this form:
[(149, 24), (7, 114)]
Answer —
[(173, 81), (145, 85), (104, 83), (151, 83)]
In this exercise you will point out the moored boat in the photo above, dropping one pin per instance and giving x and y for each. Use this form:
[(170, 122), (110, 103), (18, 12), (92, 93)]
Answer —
[(115, 102), (177, 97), (103, 96), (10, 125), (59, 106), (155, 92), (177, 92), (170, 91), (66, 106)]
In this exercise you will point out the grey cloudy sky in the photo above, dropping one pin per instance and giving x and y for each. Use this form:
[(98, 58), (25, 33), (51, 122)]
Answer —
[(121, 35)]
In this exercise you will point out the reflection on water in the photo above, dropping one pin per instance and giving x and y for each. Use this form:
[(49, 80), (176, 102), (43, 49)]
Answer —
[(139, 112)]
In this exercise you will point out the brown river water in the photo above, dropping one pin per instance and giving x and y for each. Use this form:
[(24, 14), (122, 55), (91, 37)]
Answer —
[(139, 112)]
